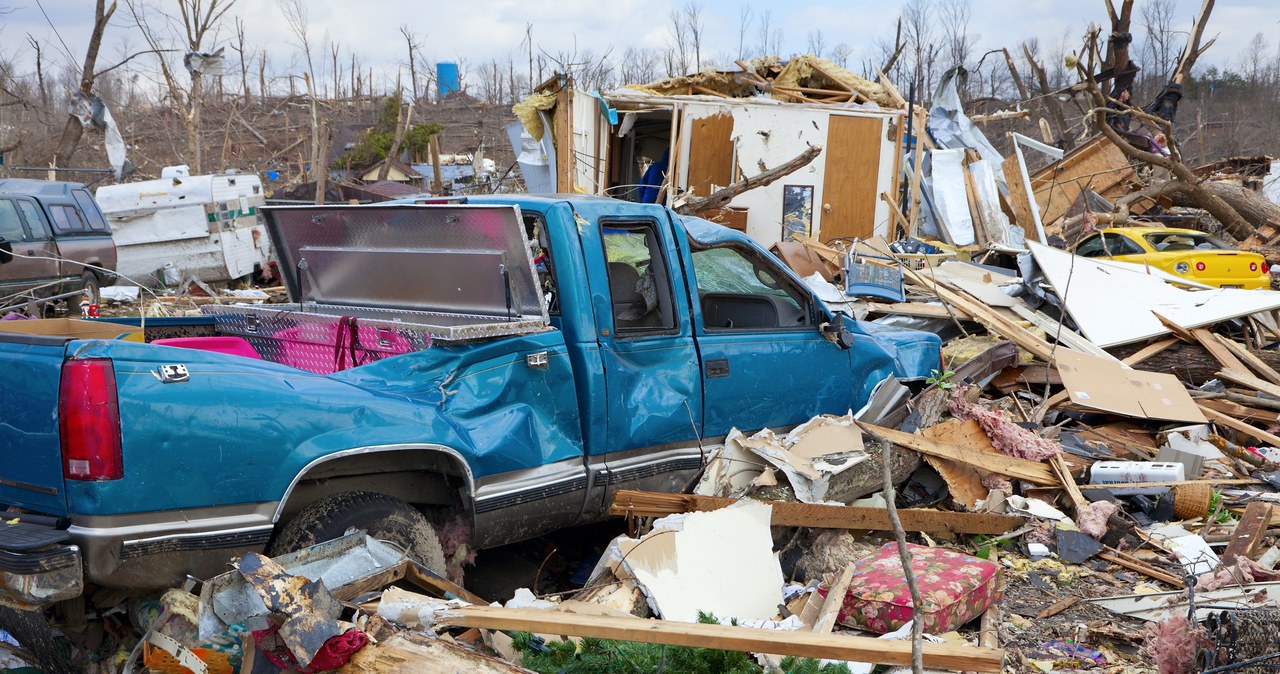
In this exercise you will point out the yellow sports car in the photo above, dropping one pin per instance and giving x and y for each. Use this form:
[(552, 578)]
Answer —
[(1193, 255)]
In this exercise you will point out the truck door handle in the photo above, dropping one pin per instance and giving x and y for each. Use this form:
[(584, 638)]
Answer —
[(717, 368)]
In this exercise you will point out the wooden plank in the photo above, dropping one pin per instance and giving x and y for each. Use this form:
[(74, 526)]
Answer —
[(1249, 532), (917, 309), (1220, 353), (986, 316), (835, 599), (1150, 350), (1058, 607), (1018, 201), (1119, 558), (746, 639), (1247, 380), (964, 482), (1022, 469), (1063, 471), (818, 516), (409, 652), (710, 153), (1254, 362), (851, 177), (1097, 165), (1059, 332), (1177, 330), (1237, 425), (1235, 409)]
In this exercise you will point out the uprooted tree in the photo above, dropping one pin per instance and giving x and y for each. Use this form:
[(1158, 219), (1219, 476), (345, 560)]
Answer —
[(1239, 211)]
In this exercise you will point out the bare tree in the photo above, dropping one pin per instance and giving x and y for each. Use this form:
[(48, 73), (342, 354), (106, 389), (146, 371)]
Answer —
[(73, 129), (744, 25), (639, 65), (299, 22), (694, 27), (1159, 51), (920, 44), (196, 20), (770, 37), (244, 60), (817, 44), (678, 46), (413, 45)]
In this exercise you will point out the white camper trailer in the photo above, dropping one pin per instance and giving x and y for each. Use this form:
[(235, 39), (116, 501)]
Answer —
[(183, 226)]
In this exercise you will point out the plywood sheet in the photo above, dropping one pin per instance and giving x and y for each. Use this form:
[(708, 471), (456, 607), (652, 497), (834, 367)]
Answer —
[(710, 153), (1114, 305), (1019, 202), (851, 179), (1097, 165)]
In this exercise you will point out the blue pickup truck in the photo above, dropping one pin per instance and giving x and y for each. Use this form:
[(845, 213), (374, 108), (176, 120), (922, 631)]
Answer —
[(503, 364)]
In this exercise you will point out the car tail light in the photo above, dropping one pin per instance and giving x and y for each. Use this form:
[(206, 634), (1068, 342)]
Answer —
[(89, 421), (1199, 266), (1253, 266)]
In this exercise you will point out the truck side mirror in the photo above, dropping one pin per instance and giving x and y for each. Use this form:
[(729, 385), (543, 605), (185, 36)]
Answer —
[(842, 336), (6, 250)]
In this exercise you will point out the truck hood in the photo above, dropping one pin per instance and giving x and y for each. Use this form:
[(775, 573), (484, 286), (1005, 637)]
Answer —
[(450, 259)]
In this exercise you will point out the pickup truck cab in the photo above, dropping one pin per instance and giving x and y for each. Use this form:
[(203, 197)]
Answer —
[(49, 232), (503, 364)]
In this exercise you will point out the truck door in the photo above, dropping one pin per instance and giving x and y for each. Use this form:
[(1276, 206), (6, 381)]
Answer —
[(34, 265), (652, 380), (765, 361)]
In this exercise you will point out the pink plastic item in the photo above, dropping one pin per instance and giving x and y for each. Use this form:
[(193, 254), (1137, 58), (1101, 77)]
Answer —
[(235, 346)]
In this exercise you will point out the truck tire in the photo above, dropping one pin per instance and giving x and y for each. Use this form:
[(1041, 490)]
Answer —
[(91, 288), (382, 516)]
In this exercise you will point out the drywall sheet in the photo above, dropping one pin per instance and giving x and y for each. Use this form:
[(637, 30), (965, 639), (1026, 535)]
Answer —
[(720, 562), (952, 196), (1114, 305), (1109, 386)]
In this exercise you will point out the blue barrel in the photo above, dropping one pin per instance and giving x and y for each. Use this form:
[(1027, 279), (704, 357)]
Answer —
[(447, 79)]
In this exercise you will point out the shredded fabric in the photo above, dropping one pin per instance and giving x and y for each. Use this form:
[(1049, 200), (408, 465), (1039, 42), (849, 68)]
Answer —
[(1242, 572), (1008, 437), (1172, 645), (1092, 519)]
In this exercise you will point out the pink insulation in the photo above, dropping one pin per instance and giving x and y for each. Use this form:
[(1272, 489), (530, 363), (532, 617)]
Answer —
[(997, 482), (1242, 572), (1092, 518), (1172, 645), (1008, 437)]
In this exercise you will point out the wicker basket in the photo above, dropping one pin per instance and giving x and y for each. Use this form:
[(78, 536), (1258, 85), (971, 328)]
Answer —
[(1191, 501), (918, 261)]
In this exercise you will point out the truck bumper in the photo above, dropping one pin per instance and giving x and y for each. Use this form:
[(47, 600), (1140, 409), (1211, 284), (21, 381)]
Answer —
[(37, 568)]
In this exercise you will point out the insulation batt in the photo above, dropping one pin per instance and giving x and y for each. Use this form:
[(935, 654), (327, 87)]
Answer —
[(1092, 519), (1172, 645), (1242, 572), (1008, 437)]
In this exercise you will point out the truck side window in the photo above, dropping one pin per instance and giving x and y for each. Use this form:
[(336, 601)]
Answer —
[(639, 286), (89, 210), (66, 220), (10, 223), (35, 220), (738, 291)]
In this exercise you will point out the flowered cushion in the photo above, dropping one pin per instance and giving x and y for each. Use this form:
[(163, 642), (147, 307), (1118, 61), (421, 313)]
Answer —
[(954, 589)]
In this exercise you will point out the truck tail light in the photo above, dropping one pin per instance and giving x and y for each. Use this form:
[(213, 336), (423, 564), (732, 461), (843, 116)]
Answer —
[(89, 421), (1199, 266)]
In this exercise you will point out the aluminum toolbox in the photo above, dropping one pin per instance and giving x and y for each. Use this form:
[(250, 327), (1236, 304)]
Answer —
[(366, 282)]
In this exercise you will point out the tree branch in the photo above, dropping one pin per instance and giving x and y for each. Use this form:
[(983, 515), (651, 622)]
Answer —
[(100, 73), (723, 196)]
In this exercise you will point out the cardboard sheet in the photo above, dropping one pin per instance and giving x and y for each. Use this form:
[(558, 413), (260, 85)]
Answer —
[(1114, 305), (1112, 387)]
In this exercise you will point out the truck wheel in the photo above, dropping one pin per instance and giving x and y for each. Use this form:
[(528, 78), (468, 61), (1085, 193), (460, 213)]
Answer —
[(91, 285), (381, 515)]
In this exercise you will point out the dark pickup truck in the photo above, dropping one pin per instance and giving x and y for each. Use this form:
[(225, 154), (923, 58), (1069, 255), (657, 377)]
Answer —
[(49, 232)]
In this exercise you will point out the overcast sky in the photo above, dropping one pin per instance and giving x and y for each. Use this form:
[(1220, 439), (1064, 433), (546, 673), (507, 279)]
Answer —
[(479, 30)]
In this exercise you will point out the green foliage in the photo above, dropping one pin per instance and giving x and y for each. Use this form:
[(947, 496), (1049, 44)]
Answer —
[(941, 379), (377, 140), (602, 655), (1224, 516)]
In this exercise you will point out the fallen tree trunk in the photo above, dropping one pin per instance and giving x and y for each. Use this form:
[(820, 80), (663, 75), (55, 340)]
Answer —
[(1255, 208), (721, 198), (1188, 362)]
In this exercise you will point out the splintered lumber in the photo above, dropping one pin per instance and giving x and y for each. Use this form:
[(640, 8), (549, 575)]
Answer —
[(1219, 351), (1247, 380), (947, 657), (817, 515), (988, 317), (1240, 426), (1150, 350), (916, 309), (1078, 501), (1134, 564), (1255, 363), (1021, 469), (835, 599), (408, 652), (1249, 532)]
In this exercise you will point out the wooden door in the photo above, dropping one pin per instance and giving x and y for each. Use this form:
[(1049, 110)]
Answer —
[(710, 153), (852, 177)]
